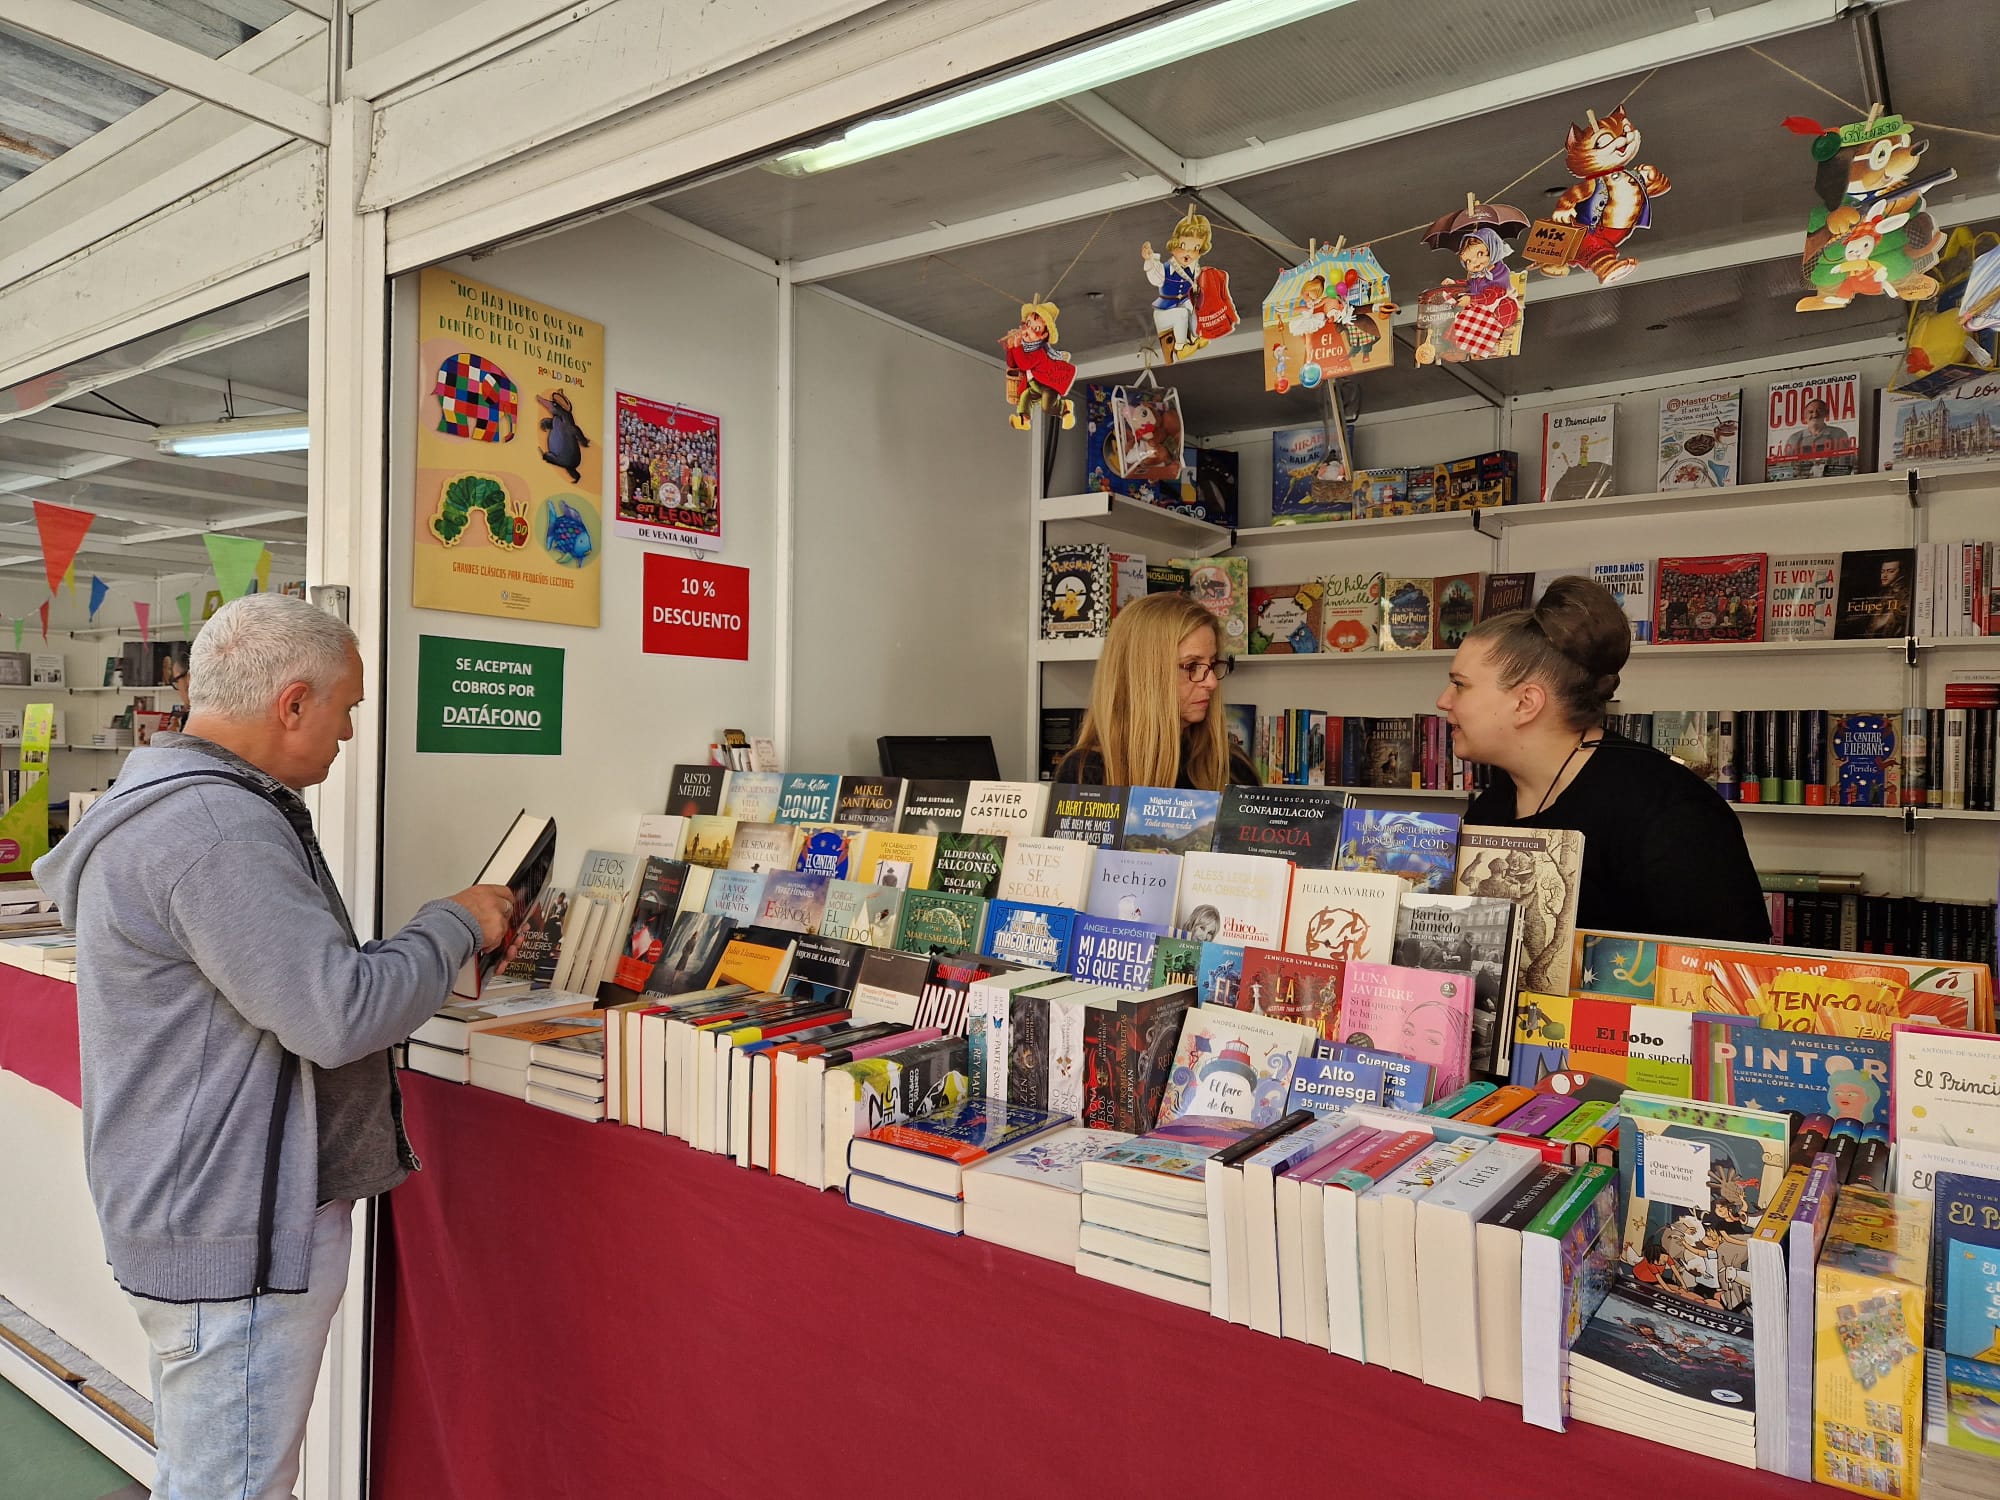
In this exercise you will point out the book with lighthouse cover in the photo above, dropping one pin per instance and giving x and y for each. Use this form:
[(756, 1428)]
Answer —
[(1234, 1064)]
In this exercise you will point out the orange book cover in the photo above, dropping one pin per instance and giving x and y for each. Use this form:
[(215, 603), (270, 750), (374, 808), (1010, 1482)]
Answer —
[(751, 963), (1497, 1105)]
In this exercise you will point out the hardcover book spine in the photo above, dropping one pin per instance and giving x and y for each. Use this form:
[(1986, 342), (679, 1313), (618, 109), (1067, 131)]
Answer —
[(1770, 762), (1100, 1069)]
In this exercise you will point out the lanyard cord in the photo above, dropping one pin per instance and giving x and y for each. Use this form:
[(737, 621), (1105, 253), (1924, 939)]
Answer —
[(1582, 745)]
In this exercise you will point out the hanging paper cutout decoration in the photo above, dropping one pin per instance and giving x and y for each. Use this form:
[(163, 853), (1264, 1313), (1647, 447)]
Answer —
[(69, 578), (234, 559), (1192, 306), (1037, 371), (98, 589), (1148, 430), (62, 532), (1979, 311), (1939, 348), (1326, 317), (145, 614), (1477, 315), (185, 604), (1613, 196), (264, 571), (476, 399), (45, 621), (1869, 236)]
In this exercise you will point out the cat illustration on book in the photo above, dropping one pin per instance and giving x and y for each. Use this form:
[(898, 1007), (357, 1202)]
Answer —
[(1613, 195)]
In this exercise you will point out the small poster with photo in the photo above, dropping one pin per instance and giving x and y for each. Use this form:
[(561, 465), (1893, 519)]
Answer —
[(47, 669), (669, 474)]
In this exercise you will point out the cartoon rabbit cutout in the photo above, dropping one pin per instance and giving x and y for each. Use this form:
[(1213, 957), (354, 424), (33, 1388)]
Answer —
[(1613, 195)]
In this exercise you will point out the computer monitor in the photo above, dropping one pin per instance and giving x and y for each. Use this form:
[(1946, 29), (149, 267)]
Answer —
[(939, 757)]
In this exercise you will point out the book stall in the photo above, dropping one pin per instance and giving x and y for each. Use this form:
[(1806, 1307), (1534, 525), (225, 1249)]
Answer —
[(854, 1056)]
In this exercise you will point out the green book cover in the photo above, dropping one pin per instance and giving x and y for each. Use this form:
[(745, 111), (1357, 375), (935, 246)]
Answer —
[(968, 864), (940, 922), (1569, 1203), (1176, 961)]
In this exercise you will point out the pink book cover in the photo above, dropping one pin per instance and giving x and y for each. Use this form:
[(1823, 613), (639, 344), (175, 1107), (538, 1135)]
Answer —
[(1424, 1014), (1336, 1154), (896, 1043)]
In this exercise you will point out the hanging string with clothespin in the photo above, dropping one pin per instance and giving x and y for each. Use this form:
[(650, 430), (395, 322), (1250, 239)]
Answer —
[(924, 275), (1050, 296), (1873, 114)]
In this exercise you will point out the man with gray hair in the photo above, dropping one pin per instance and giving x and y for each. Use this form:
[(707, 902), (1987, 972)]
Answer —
[(238, 1094)]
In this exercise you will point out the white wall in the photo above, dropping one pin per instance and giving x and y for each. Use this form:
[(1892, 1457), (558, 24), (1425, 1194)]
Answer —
[(911, 572), (681, 324)]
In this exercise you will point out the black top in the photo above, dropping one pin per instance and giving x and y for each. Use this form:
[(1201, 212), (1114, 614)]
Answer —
[(1086, 768), (1662, 852)]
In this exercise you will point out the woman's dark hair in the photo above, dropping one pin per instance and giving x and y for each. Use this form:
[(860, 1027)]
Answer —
[(1574, 641)]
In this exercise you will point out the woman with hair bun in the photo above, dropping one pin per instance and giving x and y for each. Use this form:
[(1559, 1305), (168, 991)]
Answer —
[(1662, 852), (1155, 716)]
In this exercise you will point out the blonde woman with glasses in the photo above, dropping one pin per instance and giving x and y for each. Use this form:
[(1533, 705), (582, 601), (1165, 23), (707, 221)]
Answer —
[(1155, 716)]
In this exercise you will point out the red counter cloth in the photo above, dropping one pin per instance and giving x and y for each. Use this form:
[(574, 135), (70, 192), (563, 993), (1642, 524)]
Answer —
[(588, 1312), (38, 1032)]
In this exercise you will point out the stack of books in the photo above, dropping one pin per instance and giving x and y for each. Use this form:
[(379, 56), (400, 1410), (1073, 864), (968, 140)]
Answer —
[(442, 1046), (1031, 1198), (566, 1073), (914, 1171)]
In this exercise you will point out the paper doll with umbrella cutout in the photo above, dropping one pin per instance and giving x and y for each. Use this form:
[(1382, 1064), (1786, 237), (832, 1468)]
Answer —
[(1477, 315)]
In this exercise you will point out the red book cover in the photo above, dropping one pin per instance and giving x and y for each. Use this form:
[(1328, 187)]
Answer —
[(1293, 987), (1704, 599)]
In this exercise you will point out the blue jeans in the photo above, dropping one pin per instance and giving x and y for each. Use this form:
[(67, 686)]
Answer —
[(233, 1381)]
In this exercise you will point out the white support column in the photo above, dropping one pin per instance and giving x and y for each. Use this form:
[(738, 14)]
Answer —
[(783, 537), (347, 499)]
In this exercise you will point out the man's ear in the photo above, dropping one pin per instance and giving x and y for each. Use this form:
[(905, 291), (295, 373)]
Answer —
[(292, 703)]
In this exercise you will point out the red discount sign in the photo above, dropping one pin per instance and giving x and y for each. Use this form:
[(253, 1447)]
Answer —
[(696, 608)]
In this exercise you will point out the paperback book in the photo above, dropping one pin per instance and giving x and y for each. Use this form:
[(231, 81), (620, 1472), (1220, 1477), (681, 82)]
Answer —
[(1014, 809), (1409, 609), (1704, 600), (1298, 823), (1234, 1065), (695, 791), (1698, 438), (808, 797), (1467, 935), (1631, 584), (1877, 590), (939, 922), (1089, 814), (1350, 612), (1135, 886), (1238, 899), (932, 807), (1344, 914), (1076, 590), (1539, 869), (1577, 449), (1803, 592), (1110, 952), (1420, 1013), (1814, 427), (968, 864), (1167, 820), (1023, 933), (868, 801), (1420, 847)]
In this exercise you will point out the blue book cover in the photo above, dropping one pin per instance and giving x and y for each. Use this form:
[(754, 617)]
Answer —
[(977, 1127), (1170, 820), (1965, 1311), (808, 797), (1038, 936), (1119, 954), (1421, 846), (1327, 1085), (1299, 458), (1737, 1061), (1620, 968), (737, 895), (1406, 1083), (1134, 886), (829, 853), (1219, 978)]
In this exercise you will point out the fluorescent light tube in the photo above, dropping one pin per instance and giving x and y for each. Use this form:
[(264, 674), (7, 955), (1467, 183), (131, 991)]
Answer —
[(236, 438), (1171, 41)]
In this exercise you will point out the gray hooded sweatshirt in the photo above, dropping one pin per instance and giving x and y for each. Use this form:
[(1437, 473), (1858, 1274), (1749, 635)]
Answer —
[(214, 958)]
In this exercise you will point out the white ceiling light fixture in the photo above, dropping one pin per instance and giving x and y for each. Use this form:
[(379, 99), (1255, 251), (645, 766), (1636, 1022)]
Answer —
[(1171, 41), (236, 437)]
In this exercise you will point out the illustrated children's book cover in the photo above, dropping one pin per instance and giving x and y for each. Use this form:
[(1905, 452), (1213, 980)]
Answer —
[(1738, 1061), (1965, 1278), (1309, 480), (1626, 1043), (1868, 1353), (1076, 590), (1284, 621), (1421, 847), (1221, 585), (1327, 317), (1233, 1064), (1577, 447), (1350, 612)]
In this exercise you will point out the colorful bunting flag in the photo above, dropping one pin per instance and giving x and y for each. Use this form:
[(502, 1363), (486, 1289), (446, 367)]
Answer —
[(45, 622), (264, 572), (235, 561), (145, 614), (69, 578), (98, 589), (62, 532), (185, 604), (19, 626)]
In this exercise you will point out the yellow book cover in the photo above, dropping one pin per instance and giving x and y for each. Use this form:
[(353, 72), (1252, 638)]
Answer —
[(1868, 1344), (710, 840), (752, 963), (903, 859)]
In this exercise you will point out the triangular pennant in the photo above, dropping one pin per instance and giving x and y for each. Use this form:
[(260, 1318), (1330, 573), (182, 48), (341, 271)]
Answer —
[(69, 578), (19, 626), (45, 622), (62, 532), (98, 589), (185, 604), (264, 572), (235, 561), (145, 614)]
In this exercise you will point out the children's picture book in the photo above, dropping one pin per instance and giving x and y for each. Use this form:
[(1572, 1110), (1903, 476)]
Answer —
[(1538, 869), (1738, 1061), (1238, 899), (932, 807), (1957, 424), (1623, 1042), (1023, 933), (1868, 1351), (1130, 885), (1298, 823), (1698, 438), (1421, 847), (1221, 585), (1076, 590), (1965, 1320), (1710, 599), (1350, 612), (1284, 621), (1631, 584), (1802, 593), (1577, 448), (1466, 934), (1421, 1013), (1169, 820), (1408, 613), (1946, 1087), (1814, 427), (1309, 480), (1088, 814), (1877, 590), (1344, 914), (968, 864), (1233, 1064), (808, 797)]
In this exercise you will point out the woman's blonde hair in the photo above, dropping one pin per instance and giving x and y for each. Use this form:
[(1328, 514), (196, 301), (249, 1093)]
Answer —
[(1134, 722)]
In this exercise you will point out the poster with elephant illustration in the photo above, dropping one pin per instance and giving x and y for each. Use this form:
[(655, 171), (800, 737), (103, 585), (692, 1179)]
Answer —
[(510, 455)]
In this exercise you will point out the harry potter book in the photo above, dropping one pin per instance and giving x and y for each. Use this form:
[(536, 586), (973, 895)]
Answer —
[(1507, 591), (1408, 614)]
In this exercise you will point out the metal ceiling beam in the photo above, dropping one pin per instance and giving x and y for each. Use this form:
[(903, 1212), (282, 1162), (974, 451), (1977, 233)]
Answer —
[(228, 523), (146, 486), (89, 434), (79, 27), (137, 517), (262, 395), (18, 477), (323, 9)]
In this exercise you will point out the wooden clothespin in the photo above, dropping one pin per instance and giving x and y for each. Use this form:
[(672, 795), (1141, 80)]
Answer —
[(1591, 115), (1874, 112), (1340, 244), (1312, 248), (1472, 203)]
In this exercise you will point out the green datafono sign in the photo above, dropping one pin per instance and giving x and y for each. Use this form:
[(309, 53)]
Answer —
[(487, 698)]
